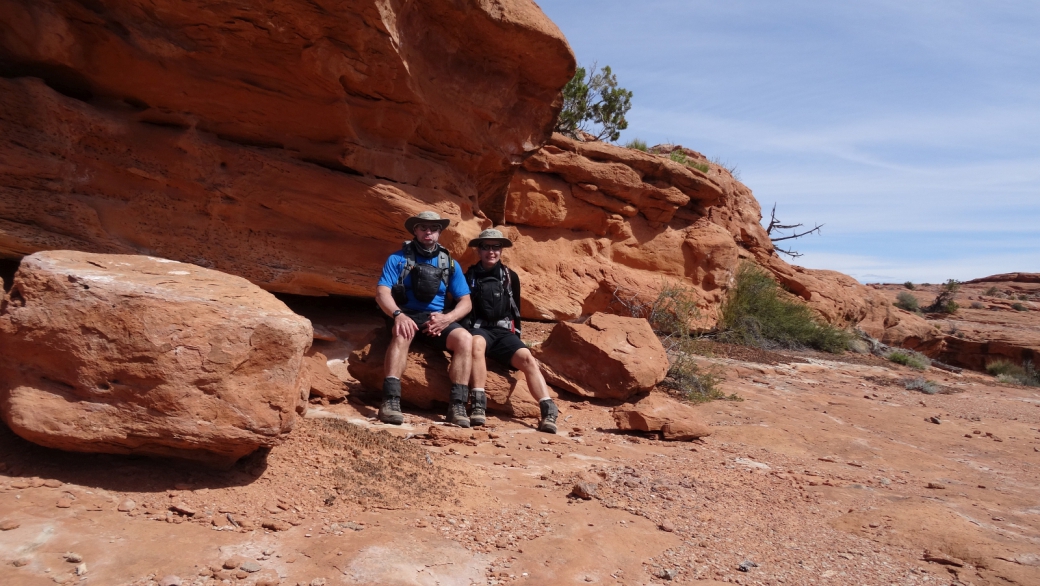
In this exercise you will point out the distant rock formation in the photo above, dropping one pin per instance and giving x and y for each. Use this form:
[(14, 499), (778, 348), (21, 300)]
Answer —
[(137, 355)]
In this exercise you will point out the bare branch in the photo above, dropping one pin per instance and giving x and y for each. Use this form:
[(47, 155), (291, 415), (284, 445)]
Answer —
[(775, 224), (806, 233)]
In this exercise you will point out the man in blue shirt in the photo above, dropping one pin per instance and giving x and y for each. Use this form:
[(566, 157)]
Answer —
[(412, 292)]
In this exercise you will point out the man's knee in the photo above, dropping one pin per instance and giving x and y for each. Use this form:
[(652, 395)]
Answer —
[(459, 340), (479, 345), (524, 360)]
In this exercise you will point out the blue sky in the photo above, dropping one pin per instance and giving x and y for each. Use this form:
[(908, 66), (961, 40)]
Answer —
[(911, 129)]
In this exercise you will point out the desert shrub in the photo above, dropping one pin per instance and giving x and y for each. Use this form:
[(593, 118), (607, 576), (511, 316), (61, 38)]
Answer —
[(1018, 307), (757, 314), (593, 99), (637, 145), (670, 316), (679, 157), (908, 302), (1009, 372), (910, 358), (944, 302), (1023, 297), (733, 169), (919, 384), (992, 291), (909, 285), (977, 305), (702, 167)]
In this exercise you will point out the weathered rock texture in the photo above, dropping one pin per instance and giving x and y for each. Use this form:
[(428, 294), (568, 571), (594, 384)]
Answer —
[(656, 412), (322, 383), (425, 383), (139, 355), (607, 357), (595, 222), (284, 142)]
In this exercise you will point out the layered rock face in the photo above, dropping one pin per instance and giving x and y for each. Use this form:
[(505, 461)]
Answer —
[(139, 355), (284, 142), (596, 224)]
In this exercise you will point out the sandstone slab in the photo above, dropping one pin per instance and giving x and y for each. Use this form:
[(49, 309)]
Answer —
[(141, 355), (657, 412), (608, 357), (322, 383), (425, 383)]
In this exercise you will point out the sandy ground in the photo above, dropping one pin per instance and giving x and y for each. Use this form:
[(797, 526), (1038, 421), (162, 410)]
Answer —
[(827, 472)]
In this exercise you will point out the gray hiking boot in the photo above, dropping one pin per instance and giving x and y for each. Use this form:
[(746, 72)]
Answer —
[(478, 410), (390, 410), (549, 415), (457, 414)]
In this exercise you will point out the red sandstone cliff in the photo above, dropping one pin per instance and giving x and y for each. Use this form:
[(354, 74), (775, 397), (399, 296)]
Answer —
[(286, 142)]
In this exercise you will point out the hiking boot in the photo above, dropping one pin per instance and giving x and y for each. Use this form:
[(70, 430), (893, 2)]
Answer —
[(478, 411), (549, 415), (390, 410), (457, 414)]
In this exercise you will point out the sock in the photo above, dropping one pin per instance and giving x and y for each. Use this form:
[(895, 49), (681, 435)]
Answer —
[(545, 399), (475, 389), (459, 393), (392, 387)]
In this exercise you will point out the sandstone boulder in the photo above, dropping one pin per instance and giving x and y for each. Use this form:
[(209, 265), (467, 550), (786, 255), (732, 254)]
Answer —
[(425, 383), (322, 383), (141, 355), (657, 412), (607, 357)]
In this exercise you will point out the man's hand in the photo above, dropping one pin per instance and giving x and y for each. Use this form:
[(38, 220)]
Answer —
[(405, 327), (438, 321)]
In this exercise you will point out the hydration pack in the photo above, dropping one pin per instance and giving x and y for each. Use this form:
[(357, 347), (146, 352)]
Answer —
[(426, 278), (492, 296)]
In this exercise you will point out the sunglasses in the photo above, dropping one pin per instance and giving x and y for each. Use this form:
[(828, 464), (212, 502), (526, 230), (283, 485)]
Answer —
[(491, 247), (428, 227)]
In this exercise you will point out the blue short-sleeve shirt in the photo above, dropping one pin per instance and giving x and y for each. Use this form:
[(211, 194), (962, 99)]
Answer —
[(392, 270)]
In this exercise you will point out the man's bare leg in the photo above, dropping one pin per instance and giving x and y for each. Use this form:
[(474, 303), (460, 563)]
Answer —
[(478, 376), (394, 363), (460, 343)]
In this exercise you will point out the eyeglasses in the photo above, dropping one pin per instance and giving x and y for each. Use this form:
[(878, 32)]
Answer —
[(491, 247), (428, 227)]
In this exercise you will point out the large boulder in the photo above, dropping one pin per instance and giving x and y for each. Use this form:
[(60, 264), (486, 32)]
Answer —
[(658, 412), (607, 357), (425, 383), (141, 355)]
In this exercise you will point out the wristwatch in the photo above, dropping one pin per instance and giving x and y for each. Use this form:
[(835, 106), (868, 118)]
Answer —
[(396, 313)]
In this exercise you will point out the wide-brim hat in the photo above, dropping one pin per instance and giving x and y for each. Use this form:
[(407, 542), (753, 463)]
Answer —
[(425, 218), (492, 235)]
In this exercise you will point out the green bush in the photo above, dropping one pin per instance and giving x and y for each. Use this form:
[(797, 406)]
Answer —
[(908, 302), (679, 157), (1019, 307), (977, 305), (702, 167), (592, 99), (992, 291), (909, 285), (733, 170), (637, 145), (1009, 372), (944, 300), (1023, 297), (919, 384), (910, 358), (757, 314)]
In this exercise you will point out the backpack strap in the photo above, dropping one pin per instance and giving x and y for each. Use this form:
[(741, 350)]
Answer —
[(507, 284), (409, 261)]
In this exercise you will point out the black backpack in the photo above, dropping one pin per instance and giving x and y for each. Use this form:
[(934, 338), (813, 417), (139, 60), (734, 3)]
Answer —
[(492, 296), (426, 278)]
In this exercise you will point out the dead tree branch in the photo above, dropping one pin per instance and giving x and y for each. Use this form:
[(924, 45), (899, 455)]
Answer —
[(776, 224)]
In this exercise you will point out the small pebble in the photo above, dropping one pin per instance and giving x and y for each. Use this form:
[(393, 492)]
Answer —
[(234, 562), (9, 524), (937, 485), (126, 506), (250, 567), (21, 562), (666, 526), (81, 570), (170, 580), (72, 557), (64, 502)]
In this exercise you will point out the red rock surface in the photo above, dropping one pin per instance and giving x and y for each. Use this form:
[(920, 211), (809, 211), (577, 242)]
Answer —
[(284, 142), (139, 355), (658, 412), (607, 357)]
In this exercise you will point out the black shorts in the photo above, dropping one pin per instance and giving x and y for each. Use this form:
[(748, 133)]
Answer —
[(501, 343), (421, 317)]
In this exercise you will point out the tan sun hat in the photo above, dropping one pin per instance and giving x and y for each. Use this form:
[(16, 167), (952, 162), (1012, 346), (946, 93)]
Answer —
[(424, 218), (491, 235)]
